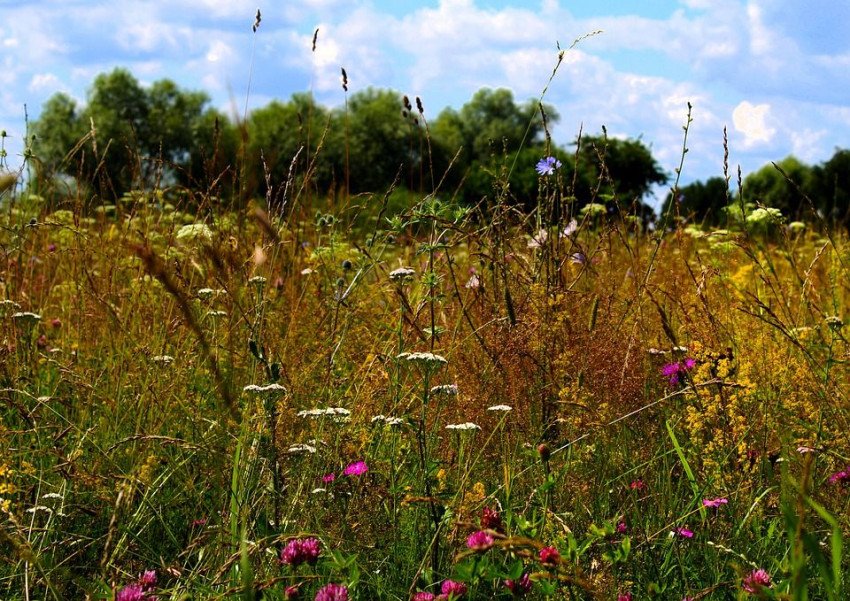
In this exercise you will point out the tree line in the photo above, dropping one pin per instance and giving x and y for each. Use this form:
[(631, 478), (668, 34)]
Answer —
[(128, 136)]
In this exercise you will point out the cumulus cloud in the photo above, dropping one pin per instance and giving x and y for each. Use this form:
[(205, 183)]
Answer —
[(750, 120)]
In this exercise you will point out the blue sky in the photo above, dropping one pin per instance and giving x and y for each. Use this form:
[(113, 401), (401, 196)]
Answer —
[(776, 73)]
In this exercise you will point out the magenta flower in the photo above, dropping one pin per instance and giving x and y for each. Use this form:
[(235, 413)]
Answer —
[(841, 477), (491, 520), (676, 371), (755, 580), (328, 478), (622, 528), (358, 468), (453, 589), (292, 592), (148, 579), (549, 556), (627, 596), (638, 485), (423, 596), (332, 592), (479, 541), (520, 587), (298, 551), (684, 532), (715, 503), (132, 592)]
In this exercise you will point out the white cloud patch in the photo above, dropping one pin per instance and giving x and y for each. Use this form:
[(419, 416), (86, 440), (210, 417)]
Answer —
[(750, 120)]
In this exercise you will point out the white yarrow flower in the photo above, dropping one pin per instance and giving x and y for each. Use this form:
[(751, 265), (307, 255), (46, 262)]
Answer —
[(402, 274), (463, 426), (447, 389), (504, 408)]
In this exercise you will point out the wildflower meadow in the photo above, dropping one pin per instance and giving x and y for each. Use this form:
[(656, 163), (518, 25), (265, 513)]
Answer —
[(248, 386)]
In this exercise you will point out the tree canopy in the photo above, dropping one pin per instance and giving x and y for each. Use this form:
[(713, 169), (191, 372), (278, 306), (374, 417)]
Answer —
[(128, 135)]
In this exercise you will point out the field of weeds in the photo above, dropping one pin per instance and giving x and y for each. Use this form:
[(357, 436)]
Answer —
[(442, 403)]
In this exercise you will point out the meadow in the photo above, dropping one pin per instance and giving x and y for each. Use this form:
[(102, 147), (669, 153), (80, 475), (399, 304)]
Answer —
[(400, 396)]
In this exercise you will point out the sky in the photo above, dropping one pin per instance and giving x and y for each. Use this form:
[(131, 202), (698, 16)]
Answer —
[(775, 73)]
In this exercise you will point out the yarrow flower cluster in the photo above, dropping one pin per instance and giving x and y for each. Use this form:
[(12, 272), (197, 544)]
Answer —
[(426, 359), (388, 420), (547, 165), (676, 371), (301, 550), (336, 413), (402, 274), (446, 389), (755, 581), (268, 388), (463, 426)]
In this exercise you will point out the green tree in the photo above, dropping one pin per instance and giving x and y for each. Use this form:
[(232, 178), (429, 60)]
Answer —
[(701, 202), (624, 172), (282, 132), (134, 134), (830, 187), (770, 188)]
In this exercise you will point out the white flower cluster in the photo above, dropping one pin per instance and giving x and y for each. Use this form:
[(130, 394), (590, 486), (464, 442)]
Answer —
[(402, 274), (390, 421), (268, 388), (337, 413), (463, 426), (424, 358), (504, 408), (447, 389)]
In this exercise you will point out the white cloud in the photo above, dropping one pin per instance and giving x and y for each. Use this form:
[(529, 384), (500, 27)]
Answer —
[(46, 82), (751, 121)]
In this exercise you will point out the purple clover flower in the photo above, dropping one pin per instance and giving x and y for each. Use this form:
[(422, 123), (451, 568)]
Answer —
[(332, 592), (479, 541), (301, 550), (453, 589), (521, 586), (755, 580)]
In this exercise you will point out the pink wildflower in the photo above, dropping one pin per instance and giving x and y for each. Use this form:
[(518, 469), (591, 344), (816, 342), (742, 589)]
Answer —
[(627, 596), (423, 596), (841, 477), (684, 532), (675, 371), (638, 485), (132, 592), (328, 478), (622, 528), (332, 592), (358, 468), (148, 579), (480, 540), (453, 589), (292, 592), (521, 586), (715, 503), (298, 551), (491, 520), (755, 580), (549, 555)]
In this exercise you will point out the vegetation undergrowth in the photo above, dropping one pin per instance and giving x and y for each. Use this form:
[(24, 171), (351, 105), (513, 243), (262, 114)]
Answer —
[(400, 395)]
